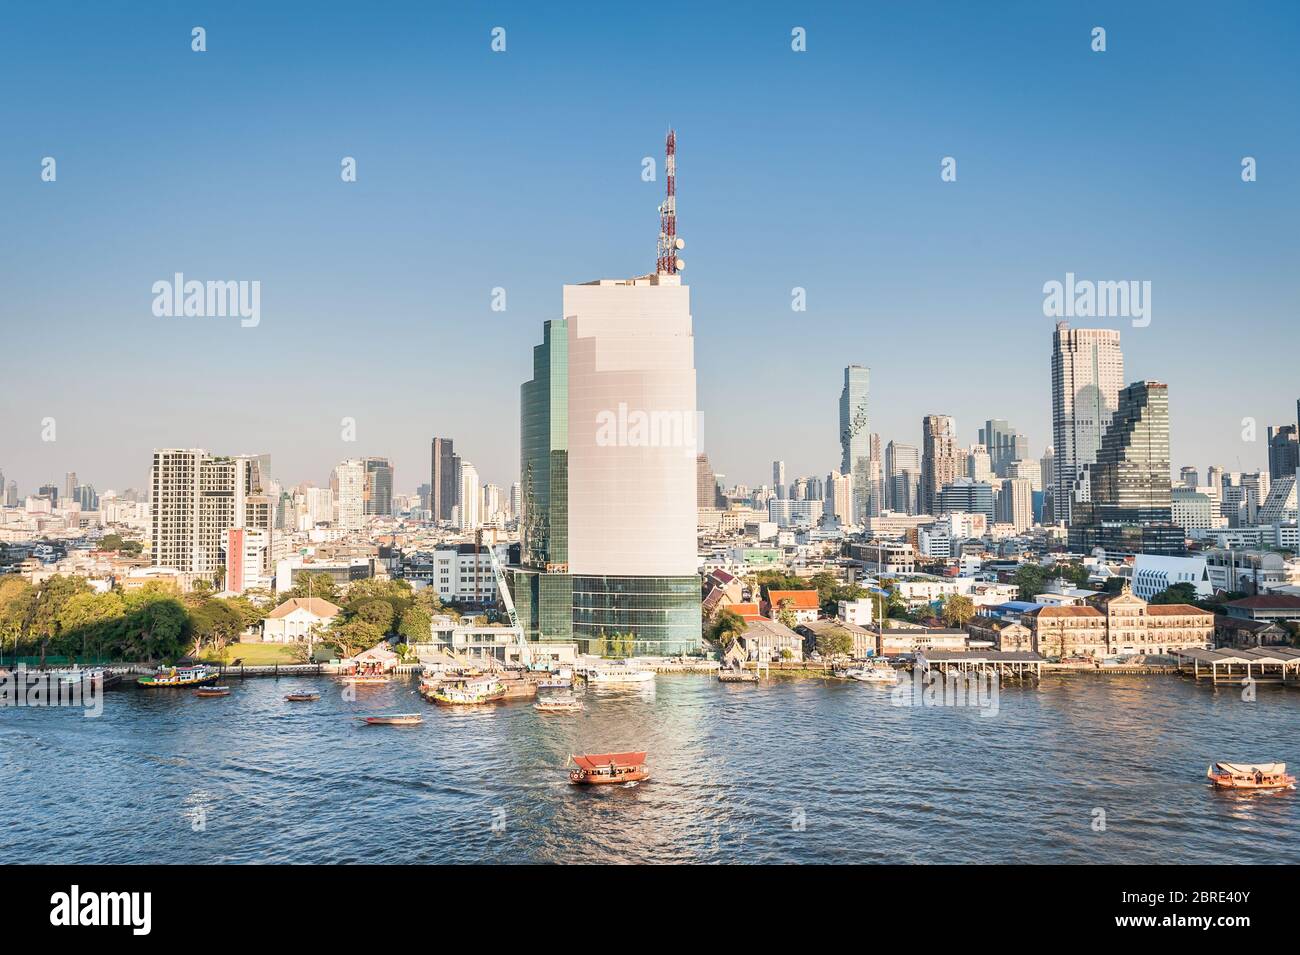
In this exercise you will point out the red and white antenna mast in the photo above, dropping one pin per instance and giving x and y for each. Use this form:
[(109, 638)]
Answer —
[(669, 243)]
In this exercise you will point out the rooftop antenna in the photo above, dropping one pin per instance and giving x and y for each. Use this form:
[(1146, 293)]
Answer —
[(669, 243)]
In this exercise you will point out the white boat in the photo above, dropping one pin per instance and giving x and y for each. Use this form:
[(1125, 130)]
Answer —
[(876, 674), (617, 675)]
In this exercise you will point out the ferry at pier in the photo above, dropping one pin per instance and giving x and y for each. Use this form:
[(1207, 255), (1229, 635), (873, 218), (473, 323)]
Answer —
[(617, 675), (180, 676), (559, 703)]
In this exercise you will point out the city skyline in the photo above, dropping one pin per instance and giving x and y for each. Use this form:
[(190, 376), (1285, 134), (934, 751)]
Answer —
[(362, 313)]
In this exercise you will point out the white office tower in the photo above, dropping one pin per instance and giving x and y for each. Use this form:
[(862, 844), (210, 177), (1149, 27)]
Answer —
[(349, 486), (1087, 375), (469, 516), (516, 500), (632, 462), (195, 498)]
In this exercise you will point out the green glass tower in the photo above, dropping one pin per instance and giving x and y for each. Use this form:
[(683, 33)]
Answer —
[(541, 585)]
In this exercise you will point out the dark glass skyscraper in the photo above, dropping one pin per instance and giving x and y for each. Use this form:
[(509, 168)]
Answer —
[(1130, 510), (443, 486)]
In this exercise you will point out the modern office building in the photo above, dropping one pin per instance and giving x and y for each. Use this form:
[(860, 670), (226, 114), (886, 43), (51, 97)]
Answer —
[(1087, 374), (966, 496), (443, 487), (1283, 452), (611, 471), (541, 585), (469, 506), (632, 463), (940, 459), (378, 493), (855, 437), (1003, 443), (1129, 511), (707, 492)]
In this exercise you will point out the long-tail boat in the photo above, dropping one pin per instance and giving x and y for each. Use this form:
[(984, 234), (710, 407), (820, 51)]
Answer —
[(597, 769), (212, 691), (308, 697), (396, 719), (1257, 776)]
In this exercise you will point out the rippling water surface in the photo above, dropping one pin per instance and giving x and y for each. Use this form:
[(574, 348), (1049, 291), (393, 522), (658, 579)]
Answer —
[(735, 769)]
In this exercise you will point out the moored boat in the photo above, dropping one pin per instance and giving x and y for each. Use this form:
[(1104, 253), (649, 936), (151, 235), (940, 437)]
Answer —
[(467, 693), (301, 697), (180, 676), (559, 704), (1256, 776), (874, 674), (368, 679), (602, 769), (212, 691), (617, 675), (395, 719)]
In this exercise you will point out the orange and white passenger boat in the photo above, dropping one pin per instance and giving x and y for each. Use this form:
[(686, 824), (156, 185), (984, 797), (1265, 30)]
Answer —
[(1259, 776), (596, 769), (212, 691)]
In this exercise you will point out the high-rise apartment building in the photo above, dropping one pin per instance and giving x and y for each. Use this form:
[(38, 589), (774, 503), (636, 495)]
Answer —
[(70, 485), (469, 509), (940, 459), (855, 437), (838, 504), (1087, 374), (195, 498), (902, 477), (1129, 509), (349, 485), (378, 494), (1015, 504), (443, 486)]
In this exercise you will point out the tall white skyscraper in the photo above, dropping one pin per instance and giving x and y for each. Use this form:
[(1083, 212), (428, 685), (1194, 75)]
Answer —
[(855, 437), (1087, 375), (632, 462), (470, 511), (349, 484)]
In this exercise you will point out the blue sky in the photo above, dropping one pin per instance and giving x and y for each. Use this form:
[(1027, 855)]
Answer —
[(522, 170)]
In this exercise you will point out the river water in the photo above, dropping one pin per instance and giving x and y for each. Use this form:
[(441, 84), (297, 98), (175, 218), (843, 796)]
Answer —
[(1081, 769)]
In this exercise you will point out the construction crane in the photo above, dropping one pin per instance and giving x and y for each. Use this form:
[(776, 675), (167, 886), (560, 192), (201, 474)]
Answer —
[(525, 654)]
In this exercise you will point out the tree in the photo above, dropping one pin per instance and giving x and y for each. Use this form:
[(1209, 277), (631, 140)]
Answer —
[(416, 625), (214, 623), (1031, 579), (312, 584), (957, 610), (378, 612), (354, 636), (785, 613), (90, 621), (727, 627), (1180, 593), (834, 642), (156, 627)]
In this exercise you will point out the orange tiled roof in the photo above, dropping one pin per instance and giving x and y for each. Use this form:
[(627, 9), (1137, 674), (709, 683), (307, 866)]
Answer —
[(1069, 612), (746, 611), (799, 599), (1158, 609)]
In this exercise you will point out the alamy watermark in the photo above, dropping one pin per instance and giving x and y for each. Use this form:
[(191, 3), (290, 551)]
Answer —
[(929, 687), (69, 688), (213, 299), (1084, 298), (627, 427)]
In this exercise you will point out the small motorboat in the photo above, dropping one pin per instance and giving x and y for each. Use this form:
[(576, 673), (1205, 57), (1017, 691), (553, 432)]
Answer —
[(875, 674), (559, 704), (1257, 776), (212, 691), (396, 719), (616, 675), (301, 697), (602, 769)]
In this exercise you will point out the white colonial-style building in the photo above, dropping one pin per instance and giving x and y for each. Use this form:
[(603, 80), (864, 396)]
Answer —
[(295, 618)]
